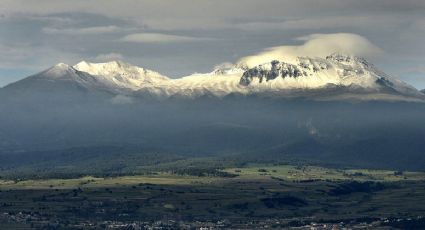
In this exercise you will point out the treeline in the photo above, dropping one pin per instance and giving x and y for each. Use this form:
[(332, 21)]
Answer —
[(202, 172)]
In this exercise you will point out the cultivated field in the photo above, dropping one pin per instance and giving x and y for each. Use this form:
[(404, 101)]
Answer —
[(257, 195)]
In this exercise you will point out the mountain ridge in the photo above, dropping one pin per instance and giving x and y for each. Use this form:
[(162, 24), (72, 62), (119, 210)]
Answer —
[(349, 74), (211, 114)]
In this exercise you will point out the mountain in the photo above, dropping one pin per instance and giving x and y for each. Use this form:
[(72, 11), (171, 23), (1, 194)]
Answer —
[(336, 77), (423, 91), (315, 73), (120, 76), (338, 110), (60, 74)]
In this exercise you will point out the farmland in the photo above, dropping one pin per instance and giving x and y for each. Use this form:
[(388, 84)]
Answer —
[(256, 195)]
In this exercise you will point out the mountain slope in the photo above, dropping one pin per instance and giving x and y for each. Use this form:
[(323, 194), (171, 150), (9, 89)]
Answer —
[(57, 81), (343, 71), (120, 76), (220, 82), (231, 111), (336, 77)]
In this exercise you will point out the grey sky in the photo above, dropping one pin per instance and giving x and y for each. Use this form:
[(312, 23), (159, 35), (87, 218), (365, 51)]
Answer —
[(179, 37)]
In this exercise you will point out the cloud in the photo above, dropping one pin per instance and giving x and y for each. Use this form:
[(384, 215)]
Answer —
[(416, 70), (121, 100), (224, 65), (82, 31), (317, 23), (160, 38), (315, 45), (52, 20), (310, 127), (205, 13), (22, 56), (109, 57)]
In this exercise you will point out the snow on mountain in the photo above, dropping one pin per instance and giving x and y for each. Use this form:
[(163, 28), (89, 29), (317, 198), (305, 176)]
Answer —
[(301, 75), (295, 75), (120, 75), (62, 72), (219, 82), (59, 73), (314, 73)]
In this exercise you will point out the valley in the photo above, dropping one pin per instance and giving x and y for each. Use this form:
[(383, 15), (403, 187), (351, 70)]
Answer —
[(209, 115), (263, 196)]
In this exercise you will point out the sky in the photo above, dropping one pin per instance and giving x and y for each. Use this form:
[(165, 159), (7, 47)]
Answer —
[(180, 37)]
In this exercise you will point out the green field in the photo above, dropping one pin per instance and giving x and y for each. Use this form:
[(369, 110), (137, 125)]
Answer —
[(289, 172), (282, 172), (284, 195)]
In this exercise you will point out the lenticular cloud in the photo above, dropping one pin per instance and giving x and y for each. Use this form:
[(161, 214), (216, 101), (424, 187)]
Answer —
[(315, 45)]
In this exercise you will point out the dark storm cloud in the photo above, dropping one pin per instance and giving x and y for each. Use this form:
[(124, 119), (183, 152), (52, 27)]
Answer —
[(178, 37)]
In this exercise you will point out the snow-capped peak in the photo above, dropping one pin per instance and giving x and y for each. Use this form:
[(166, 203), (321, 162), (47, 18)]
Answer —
[(228, 68), (120, 74), (117, 68), (58, 70), (102, 68), (281, 77), (313, 73), (343, 57), (61, 65)]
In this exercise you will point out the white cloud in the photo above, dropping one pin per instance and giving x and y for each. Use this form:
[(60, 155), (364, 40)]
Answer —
[(160, 38), (189, 14), (109, 57), (56, 21), (316, 23), (224, 65), (82, 31), (316, 45), (121, 100)]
